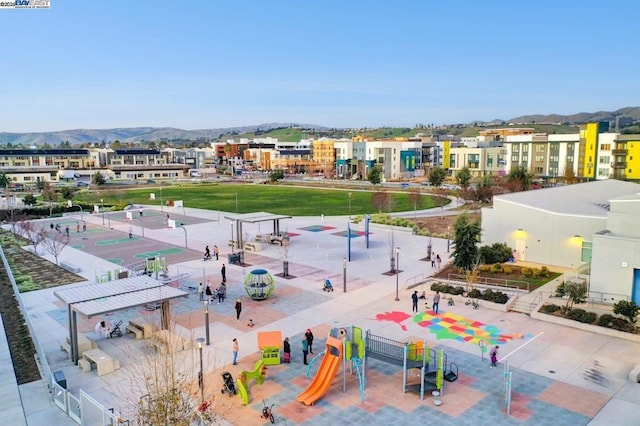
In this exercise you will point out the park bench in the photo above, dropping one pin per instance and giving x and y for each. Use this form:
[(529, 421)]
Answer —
[(70, 267), (252, 246)]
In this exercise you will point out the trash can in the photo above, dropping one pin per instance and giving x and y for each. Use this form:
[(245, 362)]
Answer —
[(234, 258), (59, 378)]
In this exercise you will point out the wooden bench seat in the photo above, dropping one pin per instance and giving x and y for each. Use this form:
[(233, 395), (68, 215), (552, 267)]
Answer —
[(139, 333)]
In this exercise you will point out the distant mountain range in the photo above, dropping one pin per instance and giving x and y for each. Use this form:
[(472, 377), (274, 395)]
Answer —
[(135, 134), (625, 116)]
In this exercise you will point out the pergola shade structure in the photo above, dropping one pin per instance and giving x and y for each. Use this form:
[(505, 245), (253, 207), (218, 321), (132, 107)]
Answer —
[(96, 299), (257, 217)]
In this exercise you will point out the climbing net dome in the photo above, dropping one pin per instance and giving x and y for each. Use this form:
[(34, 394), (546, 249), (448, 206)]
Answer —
[(259, 284)]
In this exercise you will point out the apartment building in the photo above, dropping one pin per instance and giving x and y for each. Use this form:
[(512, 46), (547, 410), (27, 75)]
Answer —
[(27, 166)]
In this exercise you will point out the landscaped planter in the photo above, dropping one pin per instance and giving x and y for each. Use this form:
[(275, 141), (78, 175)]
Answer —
[(582, 326)]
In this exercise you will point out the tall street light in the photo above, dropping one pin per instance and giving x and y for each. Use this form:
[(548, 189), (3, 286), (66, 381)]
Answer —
[(200, 341), (102, 208), (232, 240), (397, 299), (349, 205), (344, 274), (206, 321), (448, 238)]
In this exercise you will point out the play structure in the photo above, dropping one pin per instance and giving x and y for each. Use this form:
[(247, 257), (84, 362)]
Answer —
[(259, 374), (343, 344), (259, 284), (269, 343), (433, 365), (347, 344)]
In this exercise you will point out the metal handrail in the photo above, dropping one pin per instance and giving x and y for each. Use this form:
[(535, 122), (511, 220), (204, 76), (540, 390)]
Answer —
[(496, 282), (417, 279)]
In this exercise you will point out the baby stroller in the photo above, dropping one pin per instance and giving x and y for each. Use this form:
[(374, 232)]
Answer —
[(115, 330), (229, 385), (327, 285)]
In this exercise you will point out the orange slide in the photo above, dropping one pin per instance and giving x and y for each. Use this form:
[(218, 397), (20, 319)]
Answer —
[(326, 373)]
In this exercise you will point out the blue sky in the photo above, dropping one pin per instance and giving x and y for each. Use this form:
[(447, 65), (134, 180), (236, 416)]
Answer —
[(343, 63)]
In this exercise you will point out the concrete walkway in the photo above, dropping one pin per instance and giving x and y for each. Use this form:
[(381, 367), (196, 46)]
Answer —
[(554, 360)]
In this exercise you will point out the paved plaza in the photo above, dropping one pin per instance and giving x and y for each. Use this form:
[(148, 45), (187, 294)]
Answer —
[(547, 360)]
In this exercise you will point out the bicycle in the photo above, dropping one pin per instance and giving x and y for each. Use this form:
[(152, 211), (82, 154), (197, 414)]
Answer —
[(267, 412), (474, 304)]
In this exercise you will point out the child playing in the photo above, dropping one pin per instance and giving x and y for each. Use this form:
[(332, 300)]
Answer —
[(250, 324)]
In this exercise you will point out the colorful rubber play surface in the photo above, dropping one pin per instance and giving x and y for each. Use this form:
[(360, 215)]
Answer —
[(448, 325), (354, 234), (317, 228)]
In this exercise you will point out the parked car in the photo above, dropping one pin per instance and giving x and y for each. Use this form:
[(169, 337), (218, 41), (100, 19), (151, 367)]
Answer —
[(82, 183)]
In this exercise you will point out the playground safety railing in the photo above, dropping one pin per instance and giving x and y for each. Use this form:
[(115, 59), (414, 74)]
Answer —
[(414, 281)]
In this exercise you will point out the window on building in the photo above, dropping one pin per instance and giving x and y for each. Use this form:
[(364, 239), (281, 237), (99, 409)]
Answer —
[(539, 170), (605, 147), (585, 255)]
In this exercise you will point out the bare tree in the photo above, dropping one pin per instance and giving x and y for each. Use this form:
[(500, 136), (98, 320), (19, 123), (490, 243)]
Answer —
[(415, 199), (37, 237), (22, 228), (380, 200), (54, 243), (166, 388)]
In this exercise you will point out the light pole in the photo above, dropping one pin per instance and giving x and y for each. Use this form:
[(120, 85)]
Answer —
[(233, 243), (349, 205), (200, 341), (102, 208), (397, 299), (142, 227), (161, 203), (448, 238), (344, 275), (206, 321), (236, 203), (185, 235)]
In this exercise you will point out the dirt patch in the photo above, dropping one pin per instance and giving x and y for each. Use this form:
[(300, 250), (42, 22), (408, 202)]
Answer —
[(442, 225)]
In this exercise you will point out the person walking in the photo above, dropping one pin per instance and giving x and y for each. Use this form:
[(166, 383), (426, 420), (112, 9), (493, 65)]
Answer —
[(287, 351), (494, 356), (201, 291), (438, 262), (223, 271), (433, 261), (216, 251), (238, 309), (309, 336), (235, 348), (66, 231), (414, 299), (84, 226), (436, 301), (130, 232), (222, 292), (77, 227), (305, 351)]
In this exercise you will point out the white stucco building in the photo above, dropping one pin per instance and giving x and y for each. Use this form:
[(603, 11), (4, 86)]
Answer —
[(569, 226)]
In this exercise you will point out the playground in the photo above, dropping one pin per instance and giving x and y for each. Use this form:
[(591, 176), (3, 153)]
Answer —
[(373, 360)]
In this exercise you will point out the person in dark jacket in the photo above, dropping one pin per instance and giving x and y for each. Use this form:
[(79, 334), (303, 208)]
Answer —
[(238, 309), (309, 336), (287, 351), (223, 272)]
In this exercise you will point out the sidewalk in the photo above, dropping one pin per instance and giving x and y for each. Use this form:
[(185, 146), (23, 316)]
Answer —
[(555, 360)]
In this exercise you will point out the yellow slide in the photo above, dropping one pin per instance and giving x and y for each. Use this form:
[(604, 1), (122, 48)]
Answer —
[(326, 373)]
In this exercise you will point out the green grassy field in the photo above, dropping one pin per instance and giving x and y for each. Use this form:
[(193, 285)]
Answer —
[(253, 198)]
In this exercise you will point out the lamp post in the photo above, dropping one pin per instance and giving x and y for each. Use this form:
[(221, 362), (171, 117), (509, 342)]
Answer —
[(349, 205), (206, 321), (185, 235), (161, 203), (397, 299), (233, 243), (200, 341), (344, 274), (102, 209), (448, 238)]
